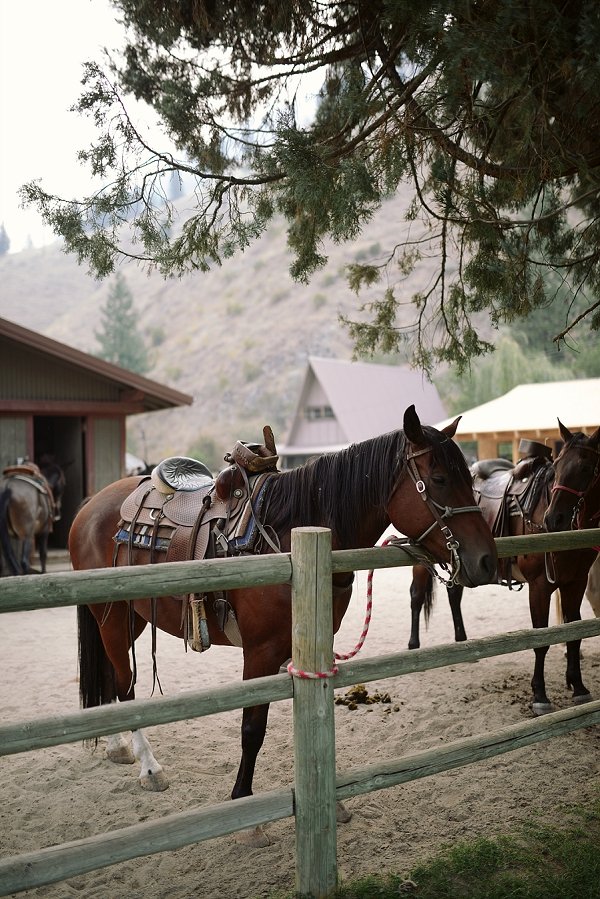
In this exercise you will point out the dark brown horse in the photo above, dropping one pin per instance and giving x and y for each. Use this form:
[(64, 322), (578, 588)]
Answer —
[(30, 503), (571, 501), (408, 478)]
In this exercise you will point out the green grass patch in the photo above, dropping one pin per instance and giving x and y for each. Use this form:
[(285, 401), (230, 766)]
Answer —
[(534, 862)]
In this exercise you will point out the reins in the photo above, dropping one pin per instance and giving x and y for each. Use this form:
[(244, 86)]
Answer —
[(452, 544)]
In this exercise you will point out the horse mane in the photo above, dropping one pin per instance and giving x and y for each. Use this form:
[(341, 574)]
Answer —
[(336, 489)]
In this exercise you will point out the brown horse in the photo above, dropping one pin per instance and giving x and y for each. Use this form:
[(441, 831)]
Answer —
[(30, 503), (571, 500), (415, 479)]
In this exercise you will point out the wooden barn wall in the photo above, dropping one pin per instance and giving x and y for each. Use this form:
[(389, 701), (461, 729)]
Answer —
[(106, 440), (28, 375), (13, 439)]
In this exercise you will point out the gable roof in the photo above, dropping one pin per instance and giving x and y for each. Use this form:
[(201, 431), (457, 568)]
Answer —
[(154, 396), (366, 399), (535, 407)]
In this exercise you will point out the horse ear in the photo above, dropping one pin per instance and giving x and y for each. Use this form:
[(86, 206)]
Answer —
[(564, 432), (450, 430), (412, 427)]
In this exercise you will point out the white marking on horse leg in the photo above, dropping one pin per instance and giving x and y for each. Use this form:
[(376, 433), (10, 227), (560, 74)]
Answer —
[(152, 776), (118, 750)]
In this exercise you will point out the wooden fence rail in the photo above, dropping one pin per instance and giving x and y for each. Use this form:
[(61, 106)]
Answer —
[(312, 801)]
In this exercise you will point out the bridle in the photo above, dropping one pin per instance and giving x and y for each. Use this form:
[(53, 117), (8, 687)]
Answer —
[(581, 495), (440, 514)]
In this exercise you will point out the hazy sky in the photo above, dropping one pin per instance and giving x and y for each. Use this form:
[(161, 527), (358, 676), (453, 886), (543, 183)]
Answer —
[(42, 46)]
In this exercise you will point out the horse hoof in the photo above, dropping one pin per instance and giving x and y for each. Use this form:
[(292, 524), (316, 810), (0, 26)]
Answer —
[(581, 698), (123, 755), (155, 781), (541, 708), (342, 814), (255, 838)]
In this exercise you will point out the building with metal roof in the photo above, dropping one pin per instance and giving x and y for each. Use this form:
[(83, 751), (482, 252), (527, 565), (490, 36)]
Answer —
[(344, 402), (532, 411)]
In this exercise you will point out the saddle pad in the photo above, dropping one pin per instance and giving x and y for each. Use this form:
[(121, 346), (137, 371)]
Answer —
[(146, 505)]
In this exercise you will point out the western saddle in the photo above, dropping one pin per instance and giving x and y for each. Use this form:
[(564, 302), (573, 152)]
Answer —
[(181, 512), (505, 491)]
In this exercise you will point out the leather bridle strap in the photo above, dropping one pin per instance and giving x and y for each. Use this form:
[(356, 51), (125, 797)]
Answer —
[(435, 508), (580, 494)]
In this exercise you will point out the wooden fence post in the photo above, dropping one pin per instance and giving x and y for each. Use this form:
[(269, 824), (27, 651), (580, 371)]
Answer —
[(314, 725)]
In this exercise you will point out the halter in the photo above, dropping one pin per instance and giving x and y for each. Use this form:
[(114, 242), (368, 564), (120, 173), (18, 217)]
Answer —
[(580, 494), (413, 546)]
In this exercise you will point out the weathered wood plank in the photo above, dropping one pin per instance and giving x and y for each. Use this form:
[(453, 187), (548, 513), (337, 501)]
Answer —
[(414, 660), (55, 863), (392, 556), (314, 725), (85, 724), (464, 752), (70, 588)]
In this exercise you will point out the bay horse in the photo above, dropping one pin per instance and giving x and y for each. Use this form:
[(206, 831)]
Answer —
[(572, 500), (30, 503), (415, 479)]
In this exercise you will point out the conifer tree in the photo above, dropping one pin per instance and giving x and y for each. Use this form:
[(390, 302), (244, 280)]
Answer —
[(489, 109), (120, 340)]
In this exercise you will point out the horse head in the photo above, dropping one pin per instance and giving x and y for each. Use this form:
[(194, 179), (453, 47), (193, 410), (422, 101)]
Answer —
[(434, 481), (575, 501)]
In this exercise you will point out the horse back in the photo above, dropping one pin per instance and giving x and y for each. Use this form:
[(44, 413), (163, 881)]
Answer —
[(95, 524), (28, 509)]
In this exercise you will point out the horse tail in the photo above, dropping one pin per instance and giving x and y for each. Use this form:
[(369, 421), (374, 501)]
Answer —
[(558, 608), (96, 673), (5, 541), (428, 599)]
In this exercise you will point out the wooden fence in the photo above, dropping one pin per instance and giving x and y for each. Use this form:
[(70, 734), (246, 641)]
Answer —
[(312, 799)]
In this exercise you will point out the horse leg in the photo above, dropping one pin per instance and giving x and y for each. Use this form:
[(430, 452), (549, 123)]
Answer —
[(116, 682), (42, 548), (26, 550), (539, 606), (421, 597), (571, 597), (455, 593)]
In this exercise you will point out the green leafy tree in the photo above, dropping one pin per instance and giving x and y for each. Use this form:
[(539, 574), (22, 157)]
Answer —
[(119, 338), (494, 375), (489, 108), (206, 450)]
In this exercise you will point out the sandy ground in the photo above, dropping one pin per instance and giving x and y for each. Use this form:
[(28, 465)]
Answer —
[(68, 792)]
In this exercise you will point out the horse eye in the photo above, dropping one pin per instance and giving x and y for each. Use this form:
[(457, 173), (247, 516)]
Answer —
[(439, 480)]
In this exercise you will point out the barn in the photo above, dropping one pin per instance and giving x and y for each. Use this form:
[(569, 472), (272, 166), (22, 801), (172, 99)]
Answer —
[(344, 402), (58, 401)]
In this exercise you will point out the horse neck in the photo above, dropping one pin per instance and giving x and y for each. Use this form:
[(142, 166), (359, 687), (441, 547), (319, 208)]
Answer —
[(370, 530)]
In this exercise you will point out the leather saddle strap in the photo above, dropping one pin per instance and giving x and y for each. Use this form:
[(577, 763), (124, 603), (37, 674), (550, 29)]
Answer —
[(206, 501), (274, 546)]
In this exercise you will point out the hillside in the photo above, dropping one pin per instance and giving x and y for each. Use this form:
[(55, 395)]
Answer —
[(236, 338)]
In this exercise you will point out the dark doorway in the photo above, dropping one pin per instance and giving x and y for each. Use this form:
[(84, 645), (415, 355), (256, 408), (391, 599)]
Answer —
[(62, 438)]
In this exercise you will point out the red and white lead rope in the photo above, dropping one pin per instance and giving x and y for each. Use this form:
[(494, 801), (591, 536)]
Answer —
[(297, 672)]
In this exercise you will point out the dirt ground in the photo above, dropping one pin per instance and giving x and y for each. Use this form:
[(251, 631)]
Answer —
[(69, 792)]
